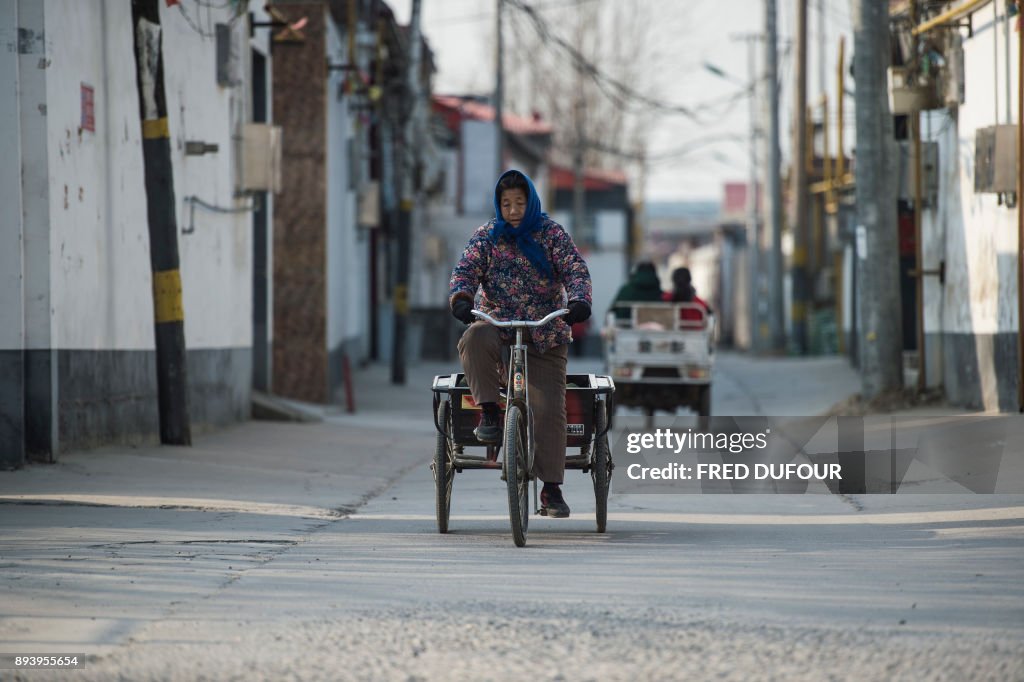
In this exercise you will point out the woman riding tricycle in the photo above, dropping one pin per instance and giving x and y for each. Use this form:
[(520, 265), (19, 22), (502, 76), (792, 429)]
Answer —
[(516, 272)]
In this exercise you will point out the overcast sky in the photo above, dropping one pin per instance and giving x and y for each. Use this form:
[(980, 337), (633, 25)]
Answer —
[(461, 33)]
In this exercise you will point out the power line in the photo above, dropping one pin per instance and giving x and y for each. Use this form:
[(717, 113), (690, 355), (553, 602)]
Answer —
[(683, 150), (192, 24), (239, 12), (618, 92), (486, 16)]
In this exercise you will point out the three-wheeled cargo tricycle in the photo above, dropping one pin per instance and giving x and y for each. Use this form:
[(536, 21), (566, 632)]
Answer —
[(589, 412), (660, 355)]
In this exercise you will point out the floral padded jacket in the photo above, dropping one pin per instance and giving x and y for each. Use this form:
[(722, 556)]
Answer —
[(505, 285)]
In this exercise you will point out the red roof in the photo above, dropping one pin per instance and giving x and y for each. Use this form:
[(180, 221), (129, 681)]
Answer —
[(593, 178), (464, 107), (734, 201)]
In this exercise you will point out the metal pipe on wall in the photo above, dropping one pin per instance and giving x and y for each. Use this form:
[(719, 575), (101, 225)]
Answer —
[(948, 16), (922, 372), (840, 103), (1020, 214)]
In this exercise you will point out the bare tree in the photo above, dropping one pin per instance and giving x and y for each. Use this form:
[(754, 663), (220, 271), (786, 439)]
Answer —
[(616, 44)]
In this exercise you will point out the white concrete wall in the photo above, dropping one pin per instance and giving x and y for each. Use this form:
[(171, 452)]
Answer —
[(563, 218), (438, 220), (100, 245), (478, 147), (216, 260), (455, 231), (101, 293), (12, 331), (442, 216), (608, 272), (35, 188), (935, 224), (347, 244), (610, 229), (975, 235), (986, 233)]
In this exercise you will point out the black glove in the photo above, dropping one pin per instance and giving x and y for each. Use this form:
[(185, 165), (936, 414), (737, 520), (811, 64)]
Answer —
[(579, 311), (462, 310)]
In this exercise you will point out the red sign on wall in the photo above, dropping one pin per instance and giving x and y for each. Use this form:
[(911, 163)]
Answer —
[(88, 110)]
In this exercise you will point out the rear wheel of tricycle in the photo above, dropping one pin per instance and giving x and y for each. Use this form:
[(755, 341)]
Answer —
[(444, 473), (704, 400), (600, 468), (517, 476)]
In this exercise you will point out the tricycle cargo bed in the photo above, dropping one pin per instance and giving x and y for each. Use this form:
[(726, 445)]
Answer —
[(581, 391), (661, 355)]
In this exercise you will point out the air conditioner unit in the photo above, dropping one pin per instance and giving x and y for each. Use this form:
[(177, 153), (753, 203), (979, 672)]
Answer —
[(995, 159), (261, 158), (911, 92), (433, 250), (929, 172), (368, 205)]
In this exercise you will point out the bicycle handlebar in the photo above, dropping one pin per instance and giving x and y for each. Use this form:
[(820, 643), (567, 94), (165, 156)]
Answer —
[(520, 323)]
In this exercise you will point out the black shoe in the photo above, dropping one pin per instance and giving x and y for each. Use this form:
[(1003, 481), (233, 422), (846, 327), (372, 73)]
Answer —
[(552, 503), (488, 431)]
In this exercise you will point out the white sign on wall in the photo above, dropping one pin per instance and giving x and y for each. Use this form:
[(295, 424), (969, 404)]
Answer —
[(862, 242)]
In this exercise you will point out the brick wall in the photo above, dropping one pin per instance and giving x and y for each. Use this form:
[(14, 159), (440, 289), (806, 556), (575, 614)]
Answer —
[(300, 211)]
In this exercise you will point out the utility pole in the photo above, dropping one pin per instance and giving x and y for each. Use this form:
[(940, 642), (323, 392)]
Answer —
[(639, 227), (753, 231), (168, 311), (800, 288), (754, 286), (772, 174), (879, 325), (579, 210), (499, 96), (407, 168), (822, 56)]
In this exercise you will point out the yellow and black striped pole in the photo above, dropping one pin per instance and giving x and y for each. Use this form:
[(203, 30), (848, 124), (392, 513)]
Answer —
[(168, 312)]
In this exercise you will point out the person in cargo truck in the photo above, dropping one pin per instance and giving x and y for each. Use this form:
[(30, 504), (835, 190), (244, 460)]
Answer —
[(683, 292), (642, 285), (522, 265)]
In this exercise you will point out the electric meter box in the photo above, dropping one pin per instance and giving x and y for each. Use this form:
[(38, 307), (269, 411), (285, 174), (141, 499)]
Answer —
[(995, 159), (261, 158)]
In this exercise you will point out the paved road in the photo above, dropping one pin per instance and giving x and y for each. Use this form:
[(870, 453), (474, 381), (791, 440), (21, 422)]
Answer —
[(287, 568)]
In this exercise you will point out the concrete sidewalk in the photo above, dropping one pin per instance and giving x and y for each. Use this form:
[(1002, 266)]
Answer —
[(313, 470), (326, 469)]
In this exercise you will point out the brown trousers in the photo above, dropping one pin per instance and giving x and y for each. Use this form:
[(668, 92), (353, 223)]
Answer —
[(480, 350)]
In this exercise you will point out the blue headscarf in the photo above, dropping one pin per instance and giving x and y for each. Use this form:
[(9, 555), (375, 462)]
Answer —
[(523, 235)]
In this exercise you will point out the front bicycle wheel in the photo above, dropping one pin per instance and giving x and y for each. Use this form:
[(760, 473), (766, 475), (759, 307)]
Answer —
[(517, 476), (444, 472), (601, 468)]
